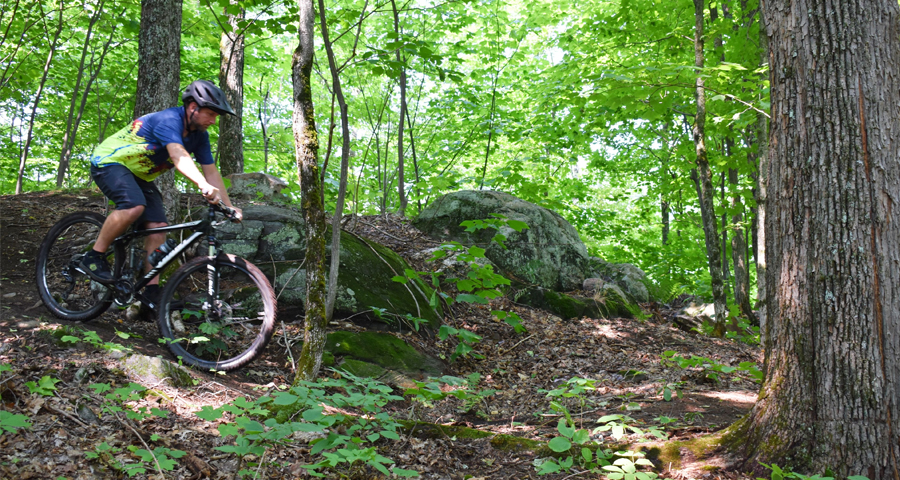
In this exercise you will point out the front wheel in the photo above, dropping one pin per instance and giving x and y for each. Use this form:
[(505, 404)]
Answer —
[(68, 293), (217, 313)]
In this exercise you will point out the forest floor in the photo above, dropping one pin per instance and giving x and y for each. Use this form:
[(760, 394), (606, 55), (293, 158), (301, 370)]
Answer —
[(622, 355)]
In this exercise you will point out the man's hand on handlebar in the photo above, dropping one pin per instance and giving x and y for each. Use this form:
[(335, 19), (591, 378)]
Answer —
[(238, 214), (210, 193)]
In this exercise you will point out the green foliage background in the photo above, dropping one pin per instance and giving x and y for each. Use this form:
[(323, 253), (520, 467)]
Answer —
[(583, 107)]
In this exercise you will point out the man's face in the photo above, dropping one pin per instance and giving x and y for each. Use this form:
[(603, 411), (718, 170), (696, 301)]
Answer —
[(202, 117)]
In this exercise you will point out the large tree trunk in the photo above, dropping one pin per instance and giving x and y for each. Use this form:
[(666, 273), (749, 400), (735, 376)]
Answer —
[(831, 397), (37, 100), (159, 70), (704, 180), (231, 79), (307, 152)]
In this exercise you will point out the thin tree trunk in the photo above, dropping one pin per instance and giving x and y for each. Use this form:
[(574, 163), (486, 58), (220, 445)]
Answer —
[(739, 253), (412, 146), (230, 149), (664, 213), (263, 116), (73, 124), (345, 163), (759, 234), (307, 152), (63, 164), (401, 185), (704, 180), (831, 395), (37, 102), (726, 273), (159, 67)]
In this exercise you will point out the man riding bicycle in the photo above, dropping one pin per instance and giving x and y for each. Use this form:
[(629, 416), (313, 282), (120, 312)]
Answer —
[(126, 163)]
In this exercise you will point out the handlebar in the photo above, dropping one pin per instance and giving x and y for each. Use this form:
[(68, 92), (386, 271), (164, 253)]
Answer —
[(229, 212)]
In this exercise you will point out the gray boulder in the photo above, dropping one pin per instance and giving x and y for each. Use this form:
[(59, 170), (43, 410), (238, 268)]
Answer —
[(274, 239), (549, 254), (631, 279), (255, 186)]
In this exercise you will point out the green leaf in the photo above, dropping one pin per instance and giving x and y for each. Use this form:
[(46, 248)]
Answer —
[(517, 225), (560, 444), (470, 298), (564, 428)]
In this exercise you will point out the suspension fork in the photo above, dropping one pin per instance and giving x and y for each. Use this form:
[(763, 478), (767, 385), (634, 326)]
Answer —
[(211, 270)]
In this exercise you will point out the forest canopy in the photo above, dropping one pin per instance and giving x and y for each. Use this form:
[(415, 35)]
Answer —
[(586, 108)]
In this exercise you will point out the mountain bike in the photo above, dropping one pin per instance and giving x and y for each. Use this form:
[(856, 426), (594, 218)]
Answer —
[(216, 311)]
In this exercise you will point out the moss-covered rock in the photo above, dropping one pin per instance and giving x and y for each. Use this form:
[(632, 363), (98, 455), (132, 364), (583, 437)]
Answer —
[(274, 239), (381, 349), (549, 253), (362, 369), (631, 279), (609, 304), (155, 370)]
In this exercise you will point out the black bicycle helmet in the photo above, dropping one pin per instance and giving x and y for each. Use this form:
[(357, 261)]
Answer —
[(206, 94)]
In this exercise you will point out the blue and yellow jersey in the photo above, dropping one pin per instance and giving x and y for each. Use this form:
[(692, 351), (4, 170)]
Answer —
[(141, 146)]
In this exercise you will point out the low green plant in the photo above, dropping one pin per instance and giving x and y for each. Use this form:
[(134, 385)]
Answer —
[(74, 335), (45, 386), (574, 390), (711, 368), (626, 467), (431, 391), (479, 286), (668, 389), (323, 405), (10, 422), (118, 399), (619, 425), (779, 473), (162, 458), (569, 437)]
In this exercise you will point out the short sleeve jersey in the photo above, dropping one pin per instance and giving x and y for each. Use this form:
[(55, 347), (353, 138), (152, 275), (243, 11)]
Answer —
[(141, 146)]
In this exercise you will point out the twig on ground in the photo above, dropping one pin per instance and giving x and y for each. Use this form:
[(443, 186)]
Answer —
[(287, 346), (65, 414), (516, 345)]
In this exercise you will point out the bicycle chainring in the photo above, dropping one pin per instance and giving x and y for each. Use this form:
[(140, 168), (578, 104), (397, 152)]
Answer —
[(123, 292)]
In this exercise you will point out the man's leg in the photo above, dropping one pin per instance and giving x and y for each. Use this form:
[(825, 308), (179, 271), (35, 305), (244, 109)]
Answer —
[(154, 217), (120, 186), (151, 242), (116, 223)]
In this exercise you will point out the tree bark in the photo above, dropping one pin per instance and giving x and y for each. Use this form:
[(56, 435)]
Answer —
[(831, 397), (37, 100), (704, 179), (159, 70), (231, 79), (307, 152)]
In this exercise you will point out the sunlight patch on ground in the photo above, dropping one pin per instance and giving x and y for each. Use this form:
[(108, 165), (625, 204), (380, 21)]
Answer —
[(740, 396)]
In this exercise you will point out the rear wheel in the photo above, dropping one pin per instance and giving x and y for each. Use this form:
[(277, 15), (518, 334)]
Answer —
[(217, 313), (66, 292)]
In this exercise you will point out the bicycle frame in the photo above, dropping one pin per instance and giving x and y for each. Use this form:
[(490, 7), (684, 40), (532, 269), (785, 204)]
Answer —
[(200, 228)]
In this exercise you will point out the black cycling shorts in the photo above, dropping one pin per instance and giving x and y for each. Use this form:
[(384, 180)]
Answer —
[(128, 191)]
